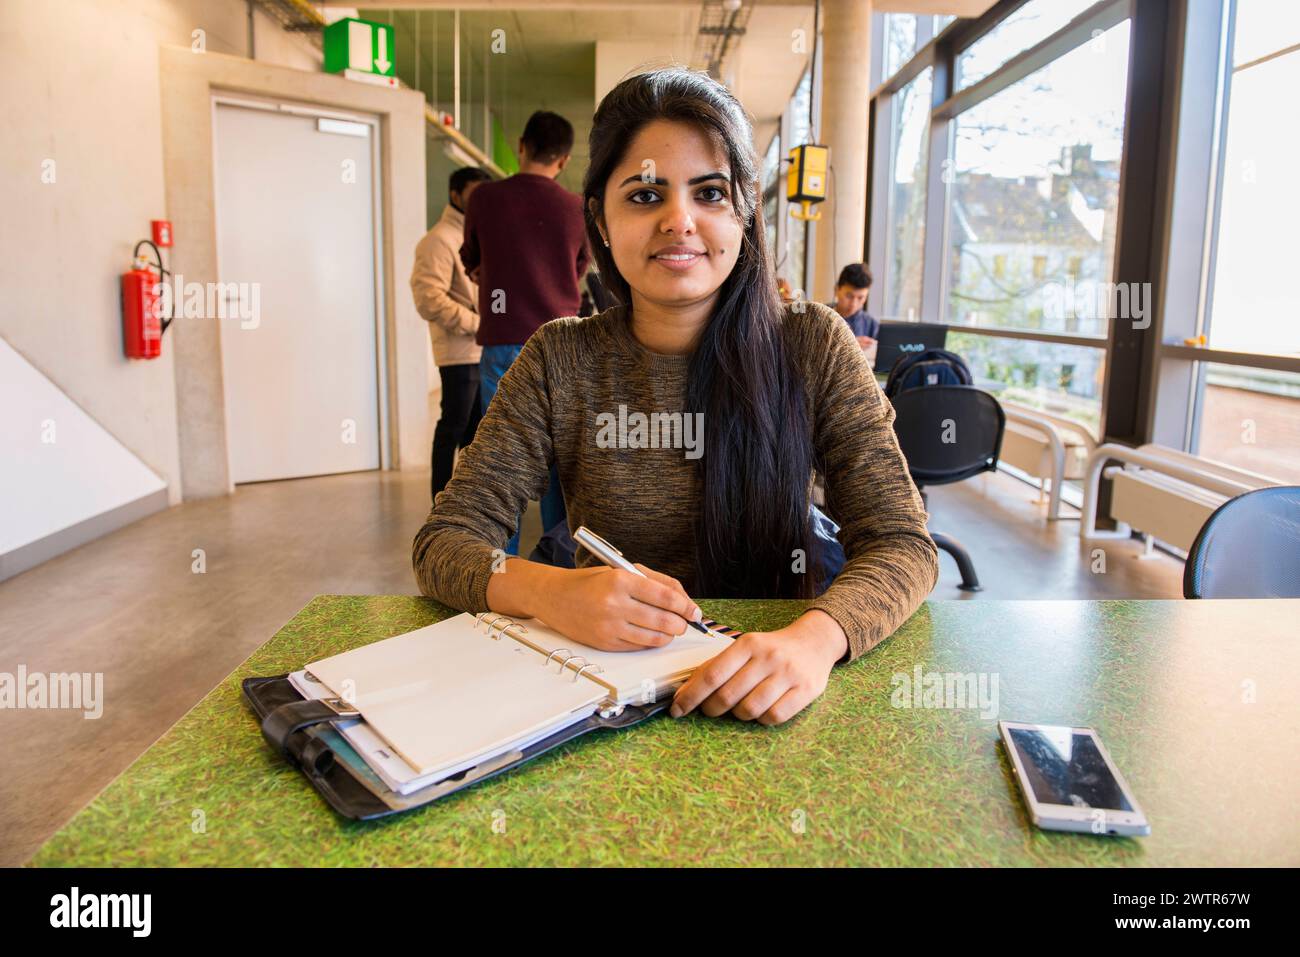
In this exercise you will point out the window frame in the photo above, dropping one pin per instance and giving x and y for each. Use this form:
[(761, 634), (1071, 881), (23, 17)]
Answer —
[(1177, 375), (884, 278), (940, 53), (786, 225), (1202, 357), (1175, 142)]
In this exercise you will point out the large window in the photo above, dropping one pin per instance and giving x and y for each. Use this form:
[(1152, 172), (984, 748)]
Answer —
[(1035, 191), (1012, 241), (1060, 378), (900, 40), (1248, 416), (1161, 311), (1250, 419), (910, 138), (1020, 30), (1256, 300), (771, 180), (1033, 206), (796, 270), (905, 33)]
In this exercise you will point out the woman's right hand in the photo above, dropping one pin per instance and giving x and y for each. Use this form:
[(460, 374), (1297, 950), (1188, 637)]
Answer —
[(615, 610)]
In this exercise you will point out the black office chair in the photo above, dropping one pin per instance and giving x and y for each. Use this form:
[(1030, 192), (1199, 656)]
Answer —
[(1249, 548), (949, 433)]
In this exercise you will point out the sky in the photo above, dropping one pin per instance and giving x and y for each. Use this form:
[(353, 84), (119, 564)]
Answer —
[(1256, 302)]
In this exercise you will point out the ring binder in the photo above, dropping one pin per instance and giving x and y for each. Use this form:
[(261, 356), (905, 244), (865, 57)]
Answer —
[(408, 747), (491, 625), (342, 778), (553, 654), (494, 627)]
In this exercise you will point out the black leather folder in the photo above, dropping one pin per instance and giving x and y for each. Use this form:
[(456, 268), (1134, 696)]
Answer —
[(302, 730)]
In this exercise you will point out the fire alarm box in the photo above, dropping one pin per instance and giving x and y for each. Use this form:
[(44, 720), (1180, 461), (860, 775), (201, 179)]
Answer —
[(162, 232)]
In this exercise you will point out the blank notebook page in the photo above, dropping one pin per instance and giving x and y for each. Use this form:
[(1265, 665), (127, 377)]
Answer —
[(632, 671), (449, 692)]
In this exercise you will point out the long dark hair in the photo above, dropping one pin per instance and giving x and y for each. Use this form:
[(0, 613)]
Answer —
[(757, 465)]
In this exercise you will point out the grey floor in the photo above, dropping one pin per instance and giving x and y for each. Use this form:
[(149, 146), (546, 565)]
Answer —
[(131, 606)]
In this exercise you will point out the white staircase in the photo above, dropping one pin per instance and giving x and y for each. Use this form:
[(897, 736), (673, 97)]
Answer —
[(63, 479)]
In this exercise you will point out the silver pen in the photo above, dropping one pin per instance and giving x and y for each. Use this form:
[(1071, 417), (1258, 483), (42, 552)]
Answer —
[(612, 557)]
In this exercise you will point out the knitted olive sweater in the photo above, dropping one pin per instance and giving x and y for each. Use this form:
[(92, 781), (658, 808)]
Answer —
[(560, 402)]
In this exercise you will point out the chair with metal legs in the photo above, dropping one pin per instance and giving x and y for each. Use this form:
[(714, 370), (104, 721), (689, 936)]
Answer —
[(949, 433)]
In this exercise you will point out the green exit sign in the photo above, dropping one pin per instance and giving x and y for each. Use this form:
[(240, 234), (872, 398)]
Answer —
[(362, 45)]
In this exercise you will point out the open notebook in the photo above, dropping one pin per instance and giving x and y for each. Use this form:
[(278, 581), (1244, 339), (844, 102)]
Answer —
[(450, 695)]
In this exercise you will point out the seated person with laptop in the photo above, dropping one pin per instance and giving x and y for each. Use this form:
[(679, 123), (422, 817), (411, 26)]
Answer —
[(851, 303)]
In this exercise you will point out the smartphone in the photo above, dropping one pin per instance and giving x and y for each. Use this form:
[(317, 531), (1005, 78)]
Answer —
[(1069, 782)]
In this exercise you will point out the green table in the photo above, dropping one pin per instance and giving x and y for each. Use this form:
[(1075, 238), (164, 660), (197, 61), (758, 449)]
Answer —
[(1197, 702)]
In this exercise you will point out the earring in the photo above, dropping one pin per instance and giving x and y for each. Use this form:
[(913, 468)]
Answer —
[(606, 242)]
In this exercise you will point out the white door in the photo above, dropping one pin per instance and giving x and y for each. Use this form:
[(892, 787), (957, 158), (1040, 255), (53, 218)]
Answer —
[(296, 215)]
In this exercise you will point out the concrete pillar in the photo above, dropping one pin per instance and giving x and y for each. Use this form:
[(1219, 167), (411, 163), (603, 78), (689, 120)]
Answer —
[(846, 86)]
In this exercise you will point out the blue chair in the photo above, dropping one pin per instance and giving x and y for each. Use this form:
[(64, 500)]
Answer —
[(1249, 548)]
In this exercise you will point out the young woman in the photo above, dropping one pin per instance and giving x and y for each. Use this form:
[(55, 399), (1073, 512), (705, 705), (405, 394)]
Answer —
[(764, 393)]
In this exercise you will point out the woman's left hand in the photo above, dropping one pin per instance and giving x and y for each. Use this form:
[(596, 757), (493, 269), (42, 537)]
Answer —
[(767, 677)]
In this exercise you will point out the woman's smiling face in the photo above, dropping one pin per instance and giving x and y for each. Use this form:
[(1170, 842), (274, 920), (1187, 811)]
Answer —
[(669, 215)]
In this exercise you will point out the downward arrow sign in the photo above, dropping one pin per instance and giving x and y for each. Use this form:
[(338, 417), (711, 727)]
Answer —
[(382, 61)]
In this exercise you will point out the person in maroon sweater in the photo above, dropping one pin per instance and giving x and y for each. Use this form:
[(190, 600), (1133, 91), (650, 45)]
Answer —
[(526, 247)]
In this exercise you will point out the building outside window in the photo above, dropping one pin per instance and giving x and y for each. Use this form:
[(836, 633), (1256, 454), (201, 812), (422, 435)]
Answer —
[(1033, 207)]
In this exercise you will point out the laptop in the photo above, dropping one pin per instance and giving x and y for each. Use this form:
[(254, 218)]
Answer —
[(898, 339)]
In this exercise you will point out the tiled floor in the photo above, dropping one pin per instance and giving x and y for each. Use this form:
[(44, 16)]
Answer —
[(135, 606)]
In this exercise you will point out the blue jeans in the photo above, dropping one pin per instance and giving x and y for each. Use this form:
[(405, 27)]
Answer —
[(492, 366)]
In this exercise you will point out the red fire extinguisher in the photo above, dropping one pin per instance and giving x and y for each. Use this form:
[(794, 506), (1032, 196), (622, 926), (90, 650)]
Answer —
[(143, 324)]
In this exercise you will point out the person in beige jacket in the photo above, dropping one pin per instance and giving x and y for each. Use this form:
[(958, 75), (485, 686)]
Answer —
[(448, 300)]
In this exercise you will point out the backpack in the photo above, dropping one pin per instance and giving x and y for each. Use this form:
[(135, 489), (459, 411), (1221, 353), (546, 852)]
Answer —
[(931, 367)]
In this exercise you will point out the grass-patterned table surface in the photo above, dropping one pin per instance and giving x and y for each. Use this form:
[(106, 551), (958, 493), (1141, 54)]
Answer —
[(1196, 701)]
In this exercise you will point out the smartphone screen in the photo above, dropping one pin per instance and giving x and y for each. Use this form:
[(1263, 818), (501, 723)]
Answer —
[(1064, 766)]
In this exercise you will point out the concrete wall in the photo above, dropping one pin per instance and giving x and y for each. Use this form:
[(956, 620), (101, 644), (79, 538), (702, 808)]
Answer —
[(81, 168), (616, 60), (188, 164), (83, 171)]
